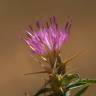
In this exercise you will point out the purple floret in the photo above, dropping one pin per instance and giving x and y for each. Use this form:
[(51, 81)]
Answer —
[(47, 39)]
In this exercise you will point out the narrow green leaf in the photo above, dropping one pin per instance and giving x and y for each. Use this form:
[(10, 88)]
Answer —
[(76, 85), (66, 93), (88, 81), (70, 78), (80, 83), (81, 91)]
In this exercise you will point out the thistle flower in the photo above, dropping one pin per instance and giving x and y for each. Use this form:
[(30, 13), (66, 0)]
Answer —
[(47, 39)]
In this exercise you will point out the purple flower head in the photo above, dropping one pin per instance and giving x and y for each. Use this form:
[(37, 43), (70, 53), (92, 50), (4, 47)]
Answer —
[(47, 38)]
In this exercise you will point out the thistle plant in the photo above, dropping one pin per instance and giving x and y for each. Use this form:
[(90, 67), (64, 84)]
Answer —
[(47, 42)]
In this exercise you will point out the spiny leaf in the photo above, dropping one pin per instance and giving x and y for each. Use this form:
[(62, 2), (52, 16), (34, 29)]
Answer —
[(63, 64), (36, 73), (72, 57), (81, 91)]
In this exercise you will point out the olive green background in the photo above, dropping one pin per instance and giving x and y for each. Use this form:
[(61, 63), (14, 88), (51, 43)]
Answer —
[(15, 57)]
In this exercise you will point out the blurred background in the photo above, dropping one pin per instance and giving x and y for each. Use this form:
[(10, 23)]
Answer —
[(15, 57)]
